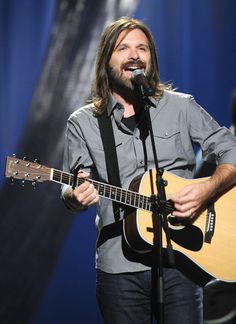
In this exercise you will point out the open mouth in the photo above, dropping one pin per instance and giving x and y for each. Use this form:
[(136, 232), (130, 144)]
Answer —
[(129, 69)]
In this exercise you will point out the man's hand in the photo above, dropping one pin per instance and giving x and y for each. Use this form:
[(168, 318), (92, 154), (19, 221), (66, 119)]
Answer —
[(190, 198), (85, 194)]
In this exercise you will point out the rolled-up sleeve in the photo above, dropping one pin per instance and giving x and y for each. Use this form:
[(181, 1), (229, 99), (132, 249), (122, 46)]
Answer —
[(217, 143), (75, 152)]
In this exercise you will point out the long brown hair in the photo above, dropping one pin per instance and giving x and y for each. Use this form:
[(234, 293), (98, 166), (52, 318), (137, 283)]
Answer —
[(100, 87)]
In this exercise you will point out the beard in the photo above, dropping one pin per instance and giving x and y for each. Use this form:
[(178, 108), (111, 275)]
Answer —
[(123, 84), (118, 81)]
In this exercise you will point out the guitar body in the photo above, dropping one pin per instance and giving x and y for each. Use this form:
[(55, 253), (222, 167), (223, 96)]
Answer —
[(214, 255)]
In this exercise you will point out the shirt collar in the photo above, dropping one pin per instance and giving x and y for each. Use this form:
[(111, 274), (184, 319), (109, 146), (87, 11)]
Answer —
[(115, 108), (111, 105)]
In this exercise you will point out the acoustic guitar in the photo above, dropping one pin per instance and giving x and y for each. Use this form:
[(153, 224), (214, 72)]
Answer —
[(208, 240)]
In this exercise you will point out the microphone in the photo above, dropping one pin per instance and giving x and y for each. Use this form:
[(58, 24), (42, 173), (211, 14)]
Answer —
[(139, 78)]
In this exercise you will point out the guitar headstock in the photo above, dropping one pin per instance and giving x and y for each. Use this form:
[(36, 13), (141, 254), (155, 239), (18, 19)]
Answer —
[(26, 171)]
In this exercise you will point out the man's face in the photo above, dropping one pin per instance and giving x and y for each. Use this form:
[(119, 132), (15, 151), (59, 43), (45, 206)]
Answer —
[(131, 52)]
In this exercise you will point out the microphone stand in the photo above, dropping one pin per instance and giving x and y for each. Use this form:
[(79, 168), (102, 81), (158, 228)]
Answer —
[(159, 220)]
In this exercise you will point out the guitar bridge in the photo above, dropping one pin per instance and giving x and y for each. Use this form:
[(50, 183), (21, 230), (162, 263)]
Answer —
[(210, 223)]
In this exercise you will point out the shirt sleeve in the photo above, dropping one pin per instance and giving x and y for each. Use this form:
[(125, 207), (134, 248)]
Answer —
[(75, 152), (217, 143)]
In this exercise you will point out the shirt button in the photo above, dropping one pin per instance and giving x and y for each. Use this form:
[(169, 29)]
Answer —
[(166, 133), (141, 162)]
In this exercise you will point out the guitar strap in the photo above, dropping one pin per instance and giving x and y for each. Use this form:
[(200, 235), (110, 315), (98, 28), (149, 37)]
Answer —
[(112, 166)]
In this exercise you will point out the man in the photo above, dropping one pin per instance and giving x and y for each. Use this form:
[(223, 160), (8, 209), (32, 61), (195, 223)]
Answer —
[(124, 285)]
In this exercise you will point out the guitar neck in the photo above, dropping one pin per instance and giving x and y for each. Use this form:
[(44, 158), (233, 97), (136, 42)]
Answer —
[(123, 196), (35, 172)]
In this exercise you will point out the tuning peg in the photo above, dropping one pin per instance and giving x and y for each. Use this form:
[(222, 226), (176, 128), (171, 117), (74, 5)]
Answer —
[(25, 158), (34, 184), (16, 160), (36, 161)]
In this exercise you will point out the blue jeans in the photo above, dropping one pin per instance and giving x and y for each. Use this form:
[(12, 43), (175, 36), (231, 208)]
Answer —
[(127, 298)]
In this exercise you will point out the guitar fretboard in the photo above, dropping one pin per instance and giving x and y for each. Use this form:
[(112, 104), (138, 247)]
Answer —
[(35, 172), (126, 197)]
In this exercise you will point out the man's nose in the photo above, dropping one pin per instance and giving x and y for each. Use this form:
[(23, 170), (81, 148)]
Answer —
[(133, 54)]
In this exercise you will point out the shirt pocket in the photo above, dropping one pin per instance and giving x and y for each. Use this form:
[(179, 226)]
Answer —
[(169, 145)]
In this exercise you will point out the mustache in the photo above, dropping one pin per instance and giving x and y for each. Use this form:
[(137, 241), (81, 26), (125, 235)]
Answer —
[(134, 63)]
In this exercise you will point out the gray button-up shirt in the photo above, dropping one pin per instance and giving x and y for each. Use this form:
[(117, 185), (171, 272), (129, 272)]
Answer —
[(177, 122)]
